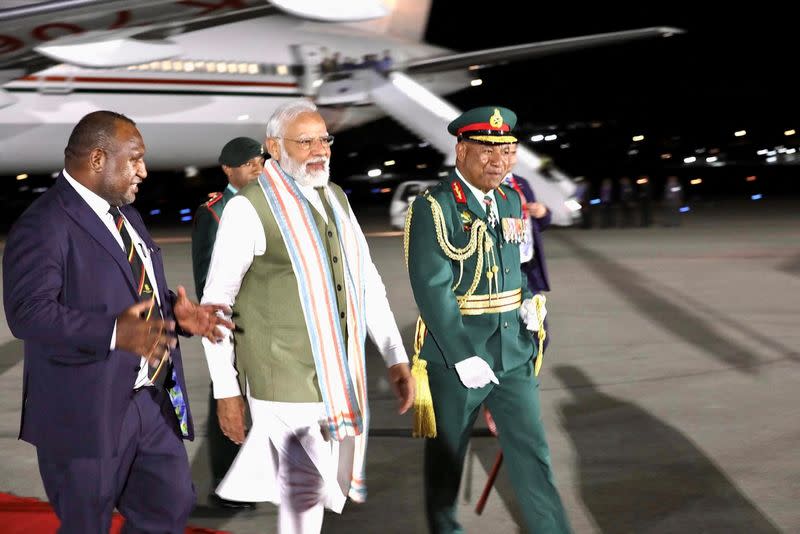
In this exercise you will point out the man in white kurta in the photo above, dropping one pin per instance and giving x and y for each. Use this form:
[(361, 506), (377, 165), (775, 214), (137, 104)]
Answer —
[(306, 446)]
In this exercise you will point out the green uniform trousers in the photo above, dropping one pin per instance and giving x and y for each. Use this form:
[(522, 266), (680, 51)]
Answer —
[(514, 405)]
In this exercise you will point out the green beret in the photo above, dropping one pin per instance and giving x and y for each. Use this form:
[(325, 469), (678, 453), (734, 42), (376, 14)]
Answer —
[(239, 151), (487, 124)]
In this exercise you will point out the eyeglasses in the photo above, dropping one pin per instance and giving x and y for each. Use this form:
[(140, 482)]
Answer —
[(306, 143)]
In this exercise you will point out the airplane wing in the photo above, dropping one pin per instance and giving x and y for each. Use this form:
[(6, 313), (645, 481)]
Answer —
[(114, 33), (506, 54)]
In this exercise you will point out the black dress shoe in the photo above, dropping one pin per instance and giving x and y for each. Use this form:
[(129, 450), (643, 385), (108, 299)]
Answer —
[(218, 502)]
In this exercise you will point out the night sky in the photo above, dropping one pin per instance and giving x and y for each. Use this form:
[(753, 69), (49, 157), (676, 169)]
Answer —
[(732, 67)]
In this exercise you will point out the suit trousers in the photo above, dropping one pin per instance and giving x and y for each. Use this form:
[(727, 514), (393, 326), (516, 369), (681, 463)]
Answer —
[(148, 481), (514, 405)]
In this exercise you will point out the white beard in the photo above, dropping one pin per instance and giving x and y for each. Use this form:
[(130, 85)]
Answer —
[(298, 171)]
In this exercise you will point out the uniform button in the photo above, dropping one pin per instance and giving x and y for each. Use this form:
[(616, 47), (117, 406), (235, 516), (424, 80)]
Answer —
[(335, 259), (338, 287), (501, 245), (508, 270), (330, 234), (341, 314), (505, 324)]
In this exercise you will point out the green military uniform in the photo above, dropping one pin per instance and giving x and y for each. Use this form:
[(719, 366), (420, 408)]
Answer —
[(222, 451), (466, 278), (204, 233)]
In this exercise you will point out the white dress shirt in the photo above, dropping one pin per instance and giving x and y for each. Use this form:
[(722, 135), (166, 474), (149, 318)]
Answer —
[(101, 207), (240, 238)]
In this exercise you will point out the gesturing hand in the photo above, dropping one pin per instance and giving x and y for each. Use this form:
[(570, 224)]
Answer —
[(201, 319), (148, 338)]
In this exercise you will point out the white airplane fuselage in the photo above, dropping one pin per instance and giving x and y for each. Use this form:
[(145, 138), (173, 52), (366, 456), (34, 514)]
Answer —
[(186, 108)]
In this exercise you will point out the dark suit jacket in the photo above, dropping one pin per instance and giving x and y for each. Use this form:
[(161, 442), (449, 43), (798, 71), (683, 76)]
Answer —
[(65, 279), (536, 269)]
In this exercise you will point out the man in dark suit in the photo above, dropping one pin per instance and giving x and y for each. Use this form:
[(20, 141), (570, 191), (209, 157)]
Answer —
[(242, 160), (104, 395), (532, 251)]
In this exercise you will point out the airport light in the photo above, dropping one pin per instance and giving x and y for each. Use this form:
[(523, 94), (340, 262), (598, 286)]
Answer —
[(372, 173), (186, 218), (22, 176), (711, 159), (771, 152), (696, 181), (155, 212), (772, 159), (791, 150), (476, 82), (594, 201), (386, 190), (473, 67), (690, 159), (538, 138), (642, 181), (787, 133), (751, 178), (422, 166), (757, 196), (684, 209), (551, 137), (389, 163), (564, 146), (666, 155), (762, 152), (740, 133), (637, 138), (185, 211)]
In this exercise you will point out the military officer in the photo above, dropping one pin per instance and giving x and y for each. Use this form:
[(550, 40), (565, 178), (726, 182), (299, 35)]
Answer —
[(462, 245), (241, 159)]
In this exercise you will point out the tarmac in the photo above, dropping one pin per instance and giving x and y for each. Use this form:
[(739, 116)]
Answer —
[(668, 391)]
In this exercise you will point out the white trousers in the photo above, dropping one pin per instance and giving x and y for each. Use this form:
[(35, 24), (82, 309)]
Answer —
[(287, 460)]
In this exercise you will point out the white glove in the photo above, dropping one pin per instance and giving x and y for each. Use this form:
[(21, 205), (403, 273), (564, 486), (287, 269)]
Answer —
[(474, 372), (527, 312)]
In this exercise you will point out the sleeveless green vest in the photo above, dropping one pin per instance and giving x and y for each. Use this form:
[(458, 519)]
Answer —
[(273, 351)]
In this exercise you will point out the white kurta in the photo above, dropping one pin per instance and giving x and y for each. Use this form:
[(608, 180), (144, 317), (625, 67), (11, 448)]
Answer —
[(254, 474)]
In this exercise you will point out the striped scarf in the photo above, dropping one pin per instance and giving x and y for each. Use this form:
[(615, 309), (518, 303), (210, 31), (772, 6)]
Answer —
[(341, 371)]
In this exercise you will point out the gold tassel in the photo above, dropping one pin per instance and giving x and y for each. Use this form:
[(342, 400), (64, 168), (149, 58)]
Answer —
[(539, 300), (424, 417)]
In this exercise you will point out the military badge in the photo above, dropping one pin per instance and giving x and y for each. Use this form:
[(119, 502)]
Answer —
[(515, 231), (496, 120), (466, 220)]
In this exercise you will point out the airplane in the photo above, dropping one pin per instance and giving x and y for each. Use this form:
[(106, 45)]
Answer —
[(195, 73)]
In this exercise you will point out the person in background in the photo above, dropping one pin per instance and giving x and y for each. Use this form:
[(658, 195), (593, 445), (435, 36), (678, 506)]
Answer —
[(242, 160)]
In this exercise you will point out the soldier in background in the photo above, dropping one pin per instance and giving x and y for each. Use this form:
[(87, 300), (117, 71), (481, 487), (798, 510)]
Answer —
[(242, 159)]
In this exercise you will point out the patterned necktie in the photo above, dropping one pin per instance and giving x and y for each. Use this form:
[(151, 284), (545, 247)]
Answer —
[(144, 288), (487, 200)]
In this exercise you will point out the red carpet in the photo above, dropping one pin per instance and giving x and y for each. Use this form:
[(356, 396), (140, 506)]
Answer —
[(25, 515)]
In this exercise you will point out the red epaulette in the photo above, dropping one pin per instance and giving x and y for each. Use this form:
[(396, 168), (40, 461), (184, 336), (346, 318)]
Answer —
[(213, 198), (458, 192)]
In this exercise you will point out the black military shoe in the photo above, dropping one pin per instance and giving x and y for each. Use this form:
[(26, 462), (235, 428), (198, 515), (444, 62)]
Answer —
[(218, 502)]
